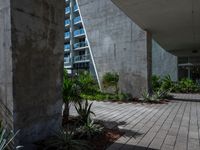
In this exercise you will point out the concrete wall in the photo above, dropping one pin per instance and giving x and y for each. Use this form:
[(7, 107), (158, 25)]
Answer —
[(31, 66), (6, 97), (117, 44), (163, 62)]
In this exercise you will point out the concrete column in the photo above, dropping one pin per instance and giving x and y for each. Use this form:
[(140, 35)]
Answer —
[(31, 67), (149, 60)]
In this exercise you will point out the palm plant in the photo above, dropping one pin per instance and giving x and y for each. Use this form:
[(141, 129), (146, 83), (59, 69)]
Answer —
[(71, 93)]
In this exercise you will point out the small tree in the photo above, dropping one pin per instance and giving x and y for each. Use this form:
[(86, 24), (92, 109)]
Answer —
[(111, 80), (71, 93)]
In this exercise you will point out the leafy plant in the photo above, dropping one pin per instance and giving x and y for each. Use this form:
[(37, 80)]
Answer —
[(146, 96), (71, 92), (111, 80), (6, 137), (187, 86), (87, 83), (84, 111), (89, 129), (164, 84), (156, 82), (66, 140), (124, 96), (167, 83), (155, 96)]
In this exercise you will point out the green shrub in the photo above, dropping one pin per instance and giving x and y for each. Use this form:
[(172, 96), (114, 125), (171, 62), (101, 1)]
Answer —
[(156, 82), (87, 83), (166, 83), (186, 86), (106, 96), (111, 80)]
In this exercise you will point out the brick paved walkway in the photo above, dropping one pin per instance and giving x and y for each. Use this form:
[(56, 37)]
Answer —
[(171, 126)]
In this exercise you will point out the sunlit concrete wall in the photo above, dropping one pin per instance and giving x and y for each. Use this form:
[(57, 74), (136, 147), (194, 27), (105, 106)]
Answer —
[(163, 62), (117, 44)]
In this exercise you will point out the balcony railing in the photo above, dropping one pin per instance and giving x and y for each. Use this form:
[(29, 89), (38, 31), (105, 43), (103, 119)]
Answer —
[(81, 58), (79, 32), (75, 7), (67, 35), (80, 44), (67, 64), (67, 22), (77, 19), (67, 61), (67, 10), (67, 47)]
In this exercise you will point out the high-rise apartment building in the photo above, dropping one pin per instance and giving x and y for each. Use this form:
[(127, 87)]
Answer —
[(76, 49)]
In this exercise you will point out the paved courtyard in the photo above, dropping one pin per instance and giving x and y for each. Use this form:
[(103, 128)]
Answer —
[(171, 126)]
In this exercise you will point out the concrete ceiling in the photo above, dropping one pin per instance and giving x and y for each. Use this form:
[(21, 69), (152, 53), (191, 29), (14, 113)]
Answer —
[(174, 24)]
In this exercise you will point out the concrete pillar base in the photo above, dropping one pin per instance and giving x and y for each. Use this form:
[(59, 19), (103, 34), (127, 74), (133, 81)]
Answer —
[(31, 67)]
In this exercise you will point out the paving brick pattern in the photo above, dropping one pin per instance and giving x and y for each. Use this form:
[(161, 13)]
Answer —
[(171, 126)]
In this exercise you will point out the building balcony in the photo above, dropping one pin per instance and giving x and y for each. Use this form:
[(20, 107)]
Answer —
[(67, 47), (77, 20), (67, 10), (67, 22), (67, 61), (79, 32), (81, 58), (67, 35), (75, 8), (67, 65), (80, 45)]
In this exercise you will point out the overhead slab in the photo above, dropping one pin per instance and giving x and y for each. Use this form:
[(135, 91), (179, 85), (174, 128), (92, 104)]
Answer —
[(174, 24)]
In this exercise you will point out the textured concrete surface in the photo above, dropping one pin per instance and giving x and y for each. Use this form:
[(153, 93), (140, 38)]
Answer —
[(171, 126), (175, 28), (6, 88), (31, 67), (163, 62), (117, 44)]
